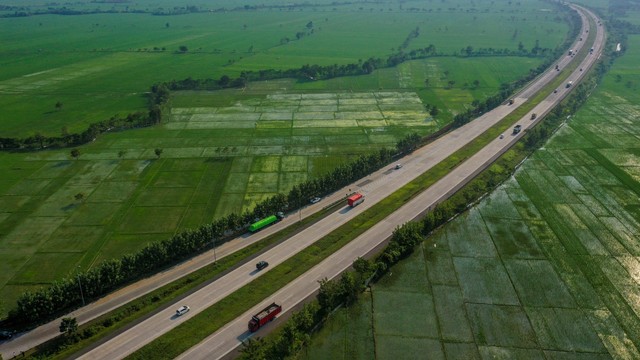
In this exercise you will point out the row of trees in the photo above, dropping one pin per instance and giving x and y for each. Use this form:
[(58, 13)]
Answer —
[(45, 303), (115, 123), (158, 97), (320, 72)]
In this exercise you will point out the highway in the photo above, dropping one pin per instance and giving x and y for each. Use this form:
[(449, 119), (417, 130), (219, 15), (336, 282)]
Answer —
[(376, 187), (229, 338)]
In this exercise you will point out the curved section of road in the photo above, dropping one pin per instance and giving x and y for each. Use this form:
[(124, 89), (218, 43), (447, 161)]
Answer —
[(376, 187), (380, 185), (229, 338)]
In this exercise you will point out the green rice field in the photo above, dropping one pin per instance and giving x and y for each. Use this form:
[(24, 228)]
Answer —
[(545, 267), (107, 62)]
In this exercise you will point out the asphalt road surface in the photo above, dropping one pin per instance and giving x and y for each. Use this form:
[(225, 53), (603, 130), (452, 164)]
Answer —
[(375, 187)]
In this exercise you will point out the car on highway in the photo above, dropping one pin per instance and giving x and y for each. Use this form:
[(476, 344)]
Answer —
[(501, 136), (517, 129), (5, 335), (555, 91), (398, 166), (182, 310), (261, 265), (315, 200)]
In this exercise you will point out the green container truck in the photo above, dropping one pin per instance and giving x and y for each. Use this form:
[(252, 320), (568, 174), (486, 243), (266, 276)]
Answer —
[(265, 222)]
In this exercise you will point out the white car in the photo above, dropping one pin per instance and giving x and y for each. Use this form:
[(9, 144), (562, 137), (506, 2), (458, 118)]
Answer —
[(182, 310), (315, 200)]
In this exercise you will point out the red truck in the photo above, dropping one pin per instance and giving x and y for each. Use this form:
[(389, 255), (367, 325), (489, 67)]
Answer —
[(355, 199), (264, 316)]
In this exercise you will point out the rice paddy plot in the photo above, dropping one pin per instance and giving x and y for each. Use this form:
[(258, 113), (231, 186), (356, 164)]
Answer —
[(470, 237), (452, 318), (151, 220), (394, 347), (349, 333), (485, 281), (537, 284), (501, 325)]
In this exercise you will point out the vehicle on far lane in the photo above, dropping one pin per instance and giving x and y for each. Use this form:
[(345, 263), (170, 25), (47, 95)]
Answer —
[(315, 200), (398, 166), (517, 129), (261, 265), (5, 335), (182, 310)]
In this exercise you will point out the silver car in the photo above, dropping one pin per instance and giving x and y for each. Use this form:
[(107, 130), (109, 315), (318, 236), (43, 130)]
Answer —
[(182, 310)]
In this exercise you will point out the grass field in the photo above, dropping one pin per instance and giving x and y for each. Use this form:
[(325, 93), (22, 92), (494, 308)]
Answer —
[(544, 267), (108, 61)]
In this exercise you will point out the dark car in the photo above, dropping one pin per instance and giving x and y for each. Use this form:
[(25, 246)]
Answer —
[(4, 335), (261, 265)]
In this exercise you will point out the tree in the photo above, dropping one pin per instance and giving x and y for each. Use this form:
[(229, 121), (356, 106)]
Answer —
[(476, 83), (310, 25), (40, 139), (59, 105), (121, 153), (158, 152), (434, 111), (167, 25), (79, 196), (253, 349), (183, 48), (75, 153), (69, 326)]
